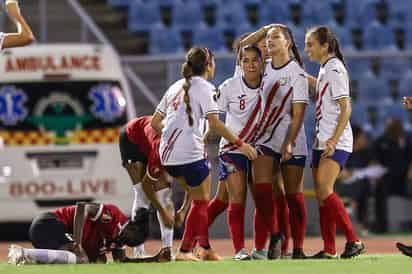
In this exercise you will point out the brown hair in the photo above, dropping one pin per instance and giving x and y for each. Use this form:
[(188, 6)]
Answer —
[(324, 35), (293, 48), (197, 60), (250, 48)]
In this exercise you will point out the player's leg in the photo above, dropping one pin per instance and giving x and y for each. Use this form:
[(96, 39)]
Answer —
[(219, 203), (293, 179), (19, 255), (262, 169), (282, 210)]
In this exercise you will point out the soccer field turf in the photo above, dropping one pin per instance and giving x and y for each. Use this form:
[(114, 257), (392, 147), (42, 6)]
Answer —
[(368, 264)]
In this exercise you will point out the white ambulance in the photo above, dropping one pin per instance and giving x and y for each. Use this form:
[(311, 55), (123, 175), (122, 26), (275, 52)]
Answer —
[(61, 109)]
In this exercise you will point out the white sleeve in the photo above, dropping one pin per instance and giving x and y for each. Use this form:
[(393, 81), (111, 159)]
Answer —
[(301, 89), (1, 40), (221, 99), (206, 100), (338, 83), (162, 106)]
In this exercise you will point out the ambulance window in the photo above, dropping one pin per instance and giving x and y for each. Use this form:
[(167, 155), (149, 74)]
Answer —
[(62, 106)]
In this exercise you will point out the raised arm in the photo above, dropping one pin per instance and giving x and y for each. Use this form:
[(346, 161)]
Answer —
[(24, 34)]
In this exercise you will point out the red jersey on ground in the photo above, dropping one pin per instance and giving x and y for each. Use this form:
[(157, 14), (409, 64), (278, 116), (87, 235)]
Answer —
[(140, 132), (98, 231)]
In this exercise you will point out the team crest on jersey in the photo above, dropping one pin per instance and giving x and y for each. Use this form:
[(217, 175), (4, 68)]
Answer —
[(241, 96), (283, 81), (12, 109)]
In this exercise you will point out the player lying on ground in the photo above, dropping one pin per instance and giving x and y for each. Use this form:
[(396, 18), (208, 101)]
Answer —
[(102, 228)]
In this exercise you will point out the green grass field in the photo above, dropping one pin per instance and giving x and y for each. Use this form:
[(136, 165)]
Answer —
[(368, 264)]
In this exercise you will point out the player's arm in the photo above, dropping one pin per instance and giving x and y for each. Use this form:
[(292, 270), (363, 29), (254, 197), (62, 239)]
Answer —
[(149, 190), (298, 114), (156, 123), (82, 211), (256, 36), (219, 128), (24, 34)]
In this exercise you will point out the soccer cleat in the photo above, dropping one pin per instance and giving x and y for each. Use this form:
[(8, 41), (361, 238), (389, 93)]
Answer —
[(259, 254), (186, 257), (207, 255), (242, 255), (298, 254), (138, 253), (16, 256), (323, 255), (275, 246), (353, 249), (405, 249)]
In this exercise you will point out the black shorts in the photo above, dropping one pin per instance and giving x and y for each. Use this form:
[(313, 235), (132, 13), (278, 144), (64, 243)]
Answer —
[(129, 152), (48, 232)]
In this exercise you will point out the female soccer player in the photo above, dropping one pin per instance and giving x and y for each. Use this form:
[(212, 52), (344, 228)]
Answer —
[(239, 98), (333, 140), (139, 149), (280, 136), (24, 36), (80, 234), (184, 108)]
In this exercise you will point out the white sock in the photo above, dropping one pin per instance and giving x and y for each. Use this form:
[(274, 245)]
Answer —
[(140, 200), (49, 256), (165, 199)]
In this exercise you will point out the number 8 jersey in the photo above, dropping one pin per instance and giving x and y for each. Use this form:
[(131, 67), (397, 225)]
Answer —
[(241, 104)]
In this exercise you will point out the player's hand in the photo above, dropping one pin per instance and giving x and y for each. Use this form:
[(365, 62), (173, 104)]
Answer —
[(407, 102), (13, 9), (286, 152), (80, 254), (248, 151), (167, 218), (329, 149)]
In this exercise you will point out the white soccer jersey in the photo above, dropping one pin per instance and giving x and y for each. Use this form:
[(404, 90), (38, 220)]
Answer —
[(180, 143), (282, 87), (332, 84), (242, 107), (1, 40)]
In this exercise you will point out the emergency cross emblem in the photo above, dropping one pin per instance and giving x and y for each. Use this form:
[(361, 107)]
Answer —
[(12, 109), (109, 103)]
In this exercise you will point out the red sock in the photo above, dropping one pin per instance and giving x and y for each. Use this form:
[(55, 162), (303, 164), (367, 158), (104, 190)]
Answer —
[(196, 228), (236, 222), (214, 208), (261, 231), (328, 225), (342, 218), (265, 205), (283, 220), (298, 218)]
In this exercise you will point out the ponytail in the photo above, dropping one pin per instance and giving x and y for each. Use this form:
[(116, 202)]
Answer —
[(294, 48), (197, 60), (338, 52), (187, 74)]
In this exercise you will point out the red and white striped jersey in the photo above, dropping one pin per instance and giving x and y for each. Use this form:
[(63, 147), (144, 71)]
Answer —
[(332, 84), (281, 87), (241, 104), (179, 142)]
